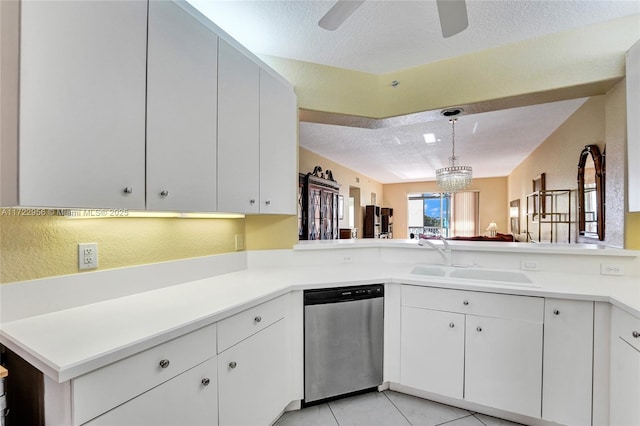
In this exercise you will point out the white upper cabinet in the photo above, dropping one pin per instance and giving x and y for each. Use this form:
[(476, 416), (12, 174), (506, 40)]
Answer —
[(278, 147), (238, 131), (181, 111), (82, 104)]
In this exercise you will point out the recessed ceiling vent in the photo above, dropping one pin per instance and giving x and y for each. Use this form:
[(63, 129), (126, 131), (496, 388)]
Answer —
[(451, 112)]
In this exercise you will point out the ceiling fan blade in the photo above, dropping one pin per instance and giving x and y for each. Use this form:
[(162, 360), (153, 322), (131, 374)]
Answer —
[(453, 16), (339, 13)]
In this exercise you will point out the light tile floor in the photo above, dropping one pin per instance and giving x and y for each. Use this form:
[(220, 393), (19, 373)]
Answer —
[(386, 409)]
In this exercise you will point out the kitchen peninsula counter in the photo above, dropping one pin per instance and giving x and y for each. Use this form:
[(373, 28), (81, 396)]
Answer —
[(67, 343)]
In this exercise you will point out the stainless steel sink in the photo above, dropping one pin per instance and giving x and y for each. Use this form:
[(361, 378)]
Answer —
[(504, 277)]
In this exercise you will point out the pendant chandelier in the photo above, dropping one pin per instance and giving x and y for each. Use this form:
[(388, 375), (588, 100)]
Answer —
[(453, 178)]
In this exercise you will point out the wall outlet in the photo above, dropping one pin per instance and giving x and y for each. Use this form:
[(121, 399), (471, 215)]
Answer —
[(529, 265), (611, 269), (87, 255), (239, 242)]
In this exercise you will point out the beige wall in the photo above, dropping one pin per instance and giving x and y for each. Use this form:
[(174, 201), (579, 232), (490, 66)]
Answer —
[(493, 202), (557, 157), (36, 247), (347, 178)]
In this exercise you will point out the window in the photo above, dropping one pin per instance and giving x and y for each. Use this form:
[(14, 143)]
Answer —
[(444, 214)]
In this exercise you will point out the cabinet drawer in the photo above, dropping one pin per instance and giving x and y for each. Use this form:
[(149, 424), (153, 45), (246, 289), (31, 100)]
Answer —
[(626, 327), (242, 325), (506, 306), (105, 388)]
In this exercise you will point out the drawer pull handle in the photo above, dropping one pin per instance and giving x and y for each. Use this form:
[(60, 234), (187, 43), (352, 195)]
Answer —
[(128, 190), (164, 193), (205, 382), (556, 312), (258, 318), (233, 364), (451, 325), (465, 303), (636, 334), (164, 363), (478, 329), (252, 201)]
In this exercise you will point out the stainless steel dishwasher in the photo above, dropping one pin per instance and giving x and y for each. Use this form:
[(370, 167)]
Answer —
[(343, 340)]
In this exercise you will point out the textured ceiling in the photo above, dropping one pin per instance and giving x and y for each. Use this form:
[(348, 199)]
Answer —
[(493, 143), (385, 36), (388, 35)]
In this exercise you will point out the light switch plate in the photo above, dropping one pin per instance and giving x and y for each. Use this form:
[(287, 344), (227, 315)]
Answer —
[(87, 255)]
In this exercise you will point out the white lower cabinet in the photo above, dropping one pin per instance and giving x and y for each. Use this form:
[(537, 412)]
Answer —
[(481, 347), (253, 378), (188, 399), (568, 361), (503, 364), (432, 351), (625, 369)]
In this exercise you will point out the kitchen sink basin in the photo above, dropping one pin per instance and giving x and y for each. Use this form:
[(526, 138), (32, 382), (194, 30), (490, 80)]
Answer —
[(434, 271), (514, 277), (504, 277)]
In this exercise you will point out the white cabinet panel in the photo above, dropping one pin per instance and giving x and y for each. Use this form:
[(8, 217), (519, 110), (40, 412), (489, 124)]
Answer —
[(278, 146), (188, 399), (503, 364), (238, 131), (432, 351), (181, 111), (625, 369), (105, 388), (253, 378), (82, 103), (568, 361), (633, 126)]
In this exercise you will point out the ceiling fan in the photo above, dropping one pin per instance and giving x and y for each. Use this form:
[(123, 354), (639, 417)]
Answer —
[(453, 15)]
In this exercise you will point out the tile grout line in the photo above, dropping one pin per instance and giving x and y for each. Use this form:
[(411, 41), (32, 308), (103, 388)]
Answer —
[(396, 407), (460, 418), (332, 413)]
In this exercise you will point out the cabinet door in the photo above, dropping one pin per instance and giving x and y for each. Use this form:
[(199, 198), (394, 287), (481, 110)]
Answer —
[(238, 131), (278, 147), (568, 361), (188, 399), (254, 378), (432, 351), (181, 111), (82, 103), (503, 364), (625, 369)]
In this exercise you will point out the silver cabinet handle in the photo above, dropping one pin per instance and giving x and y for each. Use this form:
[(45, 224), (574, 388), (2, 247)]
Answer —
[(205, 382), (451, 325), (465, 303), (252, 201), (164, 193), (556, 312), (164, 363), (478, 329), (258, 318), (128, 190), (233, 364), (268, 202), (636, 334)]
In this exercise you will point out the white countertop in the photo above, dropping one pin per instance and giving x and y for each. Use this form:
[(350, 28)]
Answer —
[(71, 342)]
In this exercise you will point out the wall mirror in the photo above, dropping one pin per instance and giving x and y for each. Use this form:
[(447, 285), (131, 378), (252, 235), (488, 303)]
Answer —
[(591, 170)]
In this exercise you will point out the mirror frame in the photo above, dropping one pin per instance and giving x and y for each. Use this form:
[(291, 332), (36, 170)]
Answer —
[(599, 164)]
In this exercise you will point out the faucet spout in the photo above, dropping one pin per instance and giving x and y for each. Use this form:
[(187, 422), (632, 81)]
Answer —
[(444, 252)]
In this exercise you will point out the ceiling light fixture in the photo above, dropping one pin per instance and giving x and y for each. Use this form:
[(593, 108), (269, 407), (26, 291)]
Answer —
[(453, 178)]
